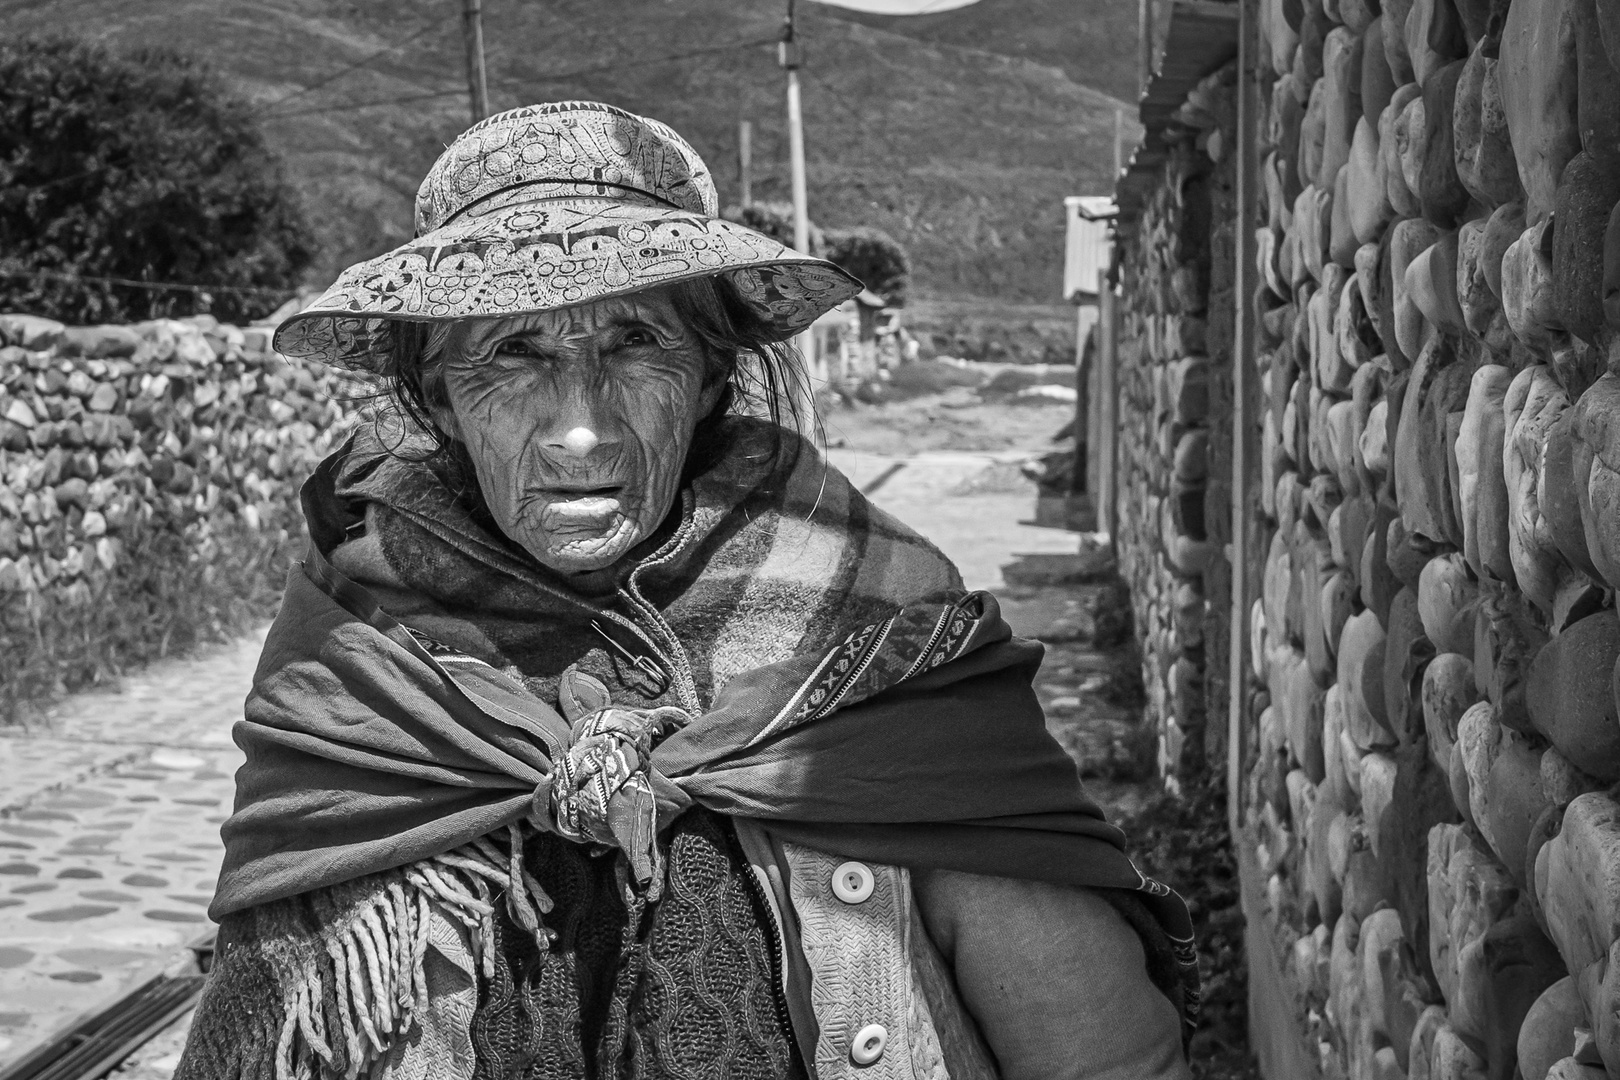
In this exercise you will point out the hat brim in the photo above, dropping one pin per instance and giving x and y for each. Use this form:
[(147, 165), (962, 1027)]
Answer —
[(527, 257)]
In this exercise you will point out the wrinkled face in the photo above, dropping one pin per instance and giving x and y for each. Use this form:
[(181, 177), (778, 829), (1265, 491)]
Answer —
[(578, 422)]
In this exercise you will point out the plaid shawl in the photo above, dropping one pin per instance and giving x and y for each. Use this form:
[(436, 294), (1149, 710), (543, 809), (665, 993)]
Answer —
[(843, 689)]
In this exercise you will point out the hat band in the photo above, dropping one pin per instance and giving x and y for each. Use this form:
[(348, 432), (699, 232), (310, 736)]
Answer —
[(570, 182)]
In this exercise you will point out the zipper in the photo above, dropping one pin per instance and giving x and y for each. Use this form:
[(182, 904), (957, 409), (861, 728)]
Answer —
[(630, 592), (773, 935)]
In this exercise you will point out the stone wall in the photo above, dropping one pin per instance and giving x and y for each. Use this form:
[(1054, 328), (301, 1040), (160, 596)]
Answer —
[(148, 490), (1175, 357), (1436, 733), (1433, 740)]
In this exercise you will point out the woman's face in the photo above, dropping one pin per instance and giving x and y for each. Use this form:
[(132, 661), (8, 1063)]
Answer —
[(578, 422)]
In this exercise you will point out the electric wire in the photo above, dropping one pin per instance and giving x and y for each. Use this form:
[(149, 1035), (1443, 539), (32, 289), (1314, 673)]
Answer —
[(519, 84), (136, 283), (267, 109)]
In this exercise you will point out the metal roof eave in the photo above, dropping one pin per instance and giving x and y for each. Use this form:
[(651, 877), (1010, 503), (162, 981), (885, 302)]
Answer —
[(1202, 36)]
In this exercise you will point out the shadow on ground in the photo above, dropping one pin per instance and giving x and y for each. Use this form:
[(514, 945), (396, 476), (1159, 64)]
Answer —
[(1091, 687)]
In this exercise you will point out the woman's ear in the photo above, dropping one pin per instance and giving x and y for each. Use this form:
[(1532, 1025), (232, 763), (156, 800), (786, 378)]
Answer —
[(711, 395), (444, 418)]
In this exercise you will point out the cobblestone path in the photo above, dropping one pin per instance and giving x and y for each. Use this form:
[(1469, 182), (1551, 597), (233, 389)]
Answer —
[(109, 837), (109, 814)]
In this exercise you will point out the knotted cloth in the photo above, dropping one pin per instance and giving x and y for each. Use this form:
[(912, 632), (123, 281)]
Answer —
[(601, 794), (834, 681)]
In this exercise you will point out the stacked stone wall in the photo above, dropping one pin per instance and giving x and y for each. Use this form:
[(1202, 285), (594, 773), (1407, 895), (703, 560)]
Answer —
[(1436, 738), (1433, 739), (149, 480), (1176, 278)]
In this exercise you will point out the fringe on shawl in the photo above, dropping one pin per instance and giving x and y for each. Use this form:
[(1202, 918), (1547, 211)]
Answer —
[(352, 980)]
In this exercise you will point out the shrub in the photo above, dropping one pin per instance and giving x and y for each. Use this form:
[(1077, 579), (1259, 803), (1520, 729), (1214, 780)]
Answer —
[(870, 254), (873, 256), (142, 167), (1184, 842), (775, 220)]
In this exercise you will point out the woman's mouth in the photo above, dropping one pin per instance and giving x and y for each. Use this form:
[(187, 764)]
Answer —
[(604, 491), (578, 497), (582, 509)]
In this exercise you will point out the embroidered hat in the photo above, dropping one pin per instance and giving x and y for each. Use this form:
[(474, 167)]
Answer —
[(553, 205)]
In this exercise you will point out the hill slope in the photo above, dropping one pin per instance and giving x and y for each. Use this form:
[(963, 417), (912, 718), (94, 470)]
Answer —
[(963, 154), (1091, 41)]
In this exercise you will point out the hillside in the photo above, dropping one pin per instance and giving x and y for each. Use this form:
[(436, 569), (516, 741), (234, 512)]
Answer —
[(963, 154), (1091, 41)]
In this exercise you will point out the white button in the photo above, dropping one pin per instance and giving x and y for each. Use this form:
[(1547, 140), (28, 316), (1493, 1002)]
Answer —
[(870, 1040), (852, 882)]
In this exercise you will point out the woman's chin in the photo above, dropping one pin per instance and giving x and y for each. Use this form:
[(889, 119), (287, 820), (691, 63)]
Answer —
[(584, 554)]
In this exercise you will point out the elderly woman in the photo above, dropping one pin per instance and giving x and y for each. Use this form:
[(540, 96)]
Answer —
[(607, 731)]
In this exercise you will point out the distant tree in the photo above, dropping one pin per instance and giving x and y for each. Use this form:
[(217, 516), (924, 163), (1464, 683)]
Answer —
[(870, 254), (144, 167), (873, 256), (775, 220)]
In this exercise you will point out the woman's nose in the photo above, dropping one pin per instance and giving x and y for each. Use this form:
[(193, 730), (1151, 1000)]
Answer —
[(578, 441), (579, 420)]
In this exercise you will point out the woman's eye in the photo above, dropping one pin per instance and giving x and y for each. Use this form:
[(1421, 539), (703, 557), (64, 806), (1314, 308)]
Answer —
[(516, 347), (637, 336)]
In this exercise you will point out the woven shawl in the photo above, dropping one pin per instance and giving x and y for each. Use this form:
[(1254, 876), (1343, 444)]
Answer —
[(844, 690)]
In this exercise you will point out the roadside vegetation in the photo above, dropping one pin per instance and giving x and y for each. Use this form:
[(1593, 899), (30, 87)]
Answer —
[(142, 167)]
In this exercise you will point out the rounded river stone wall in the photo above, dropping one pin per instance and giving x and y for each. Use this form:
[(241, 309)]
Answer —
[(149, 480), (1175, 408), (1433, 739)]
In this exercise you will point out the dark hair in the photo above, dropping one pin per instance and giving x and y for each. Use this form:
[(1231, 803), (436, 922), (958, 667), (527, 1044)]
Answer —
[(762, 374)]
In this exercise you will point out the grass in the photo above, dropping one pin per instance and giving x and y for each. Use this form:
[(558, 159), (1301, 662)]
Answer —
[(1183, 841), (167, 594)]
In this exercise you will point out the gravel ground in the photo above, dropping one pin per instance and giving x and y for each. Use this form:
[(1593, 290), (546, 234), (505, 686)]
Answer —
[(958, 420)]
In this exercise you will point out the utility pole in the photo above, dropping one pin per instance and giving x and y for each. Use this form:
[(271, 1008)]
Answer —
[(472, 32), (791, 55), (745, 161)]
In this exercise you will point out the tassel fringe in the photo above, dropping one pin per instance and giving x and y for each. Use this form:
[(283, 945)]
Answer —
[(362, 962)]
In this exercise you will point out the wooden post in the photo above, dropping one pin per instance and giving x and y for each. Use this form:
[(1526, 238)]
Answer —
[(1085, 411), (1144, 32), (1244, 403), (745, 162), (1108, 400), (472, 32), (1119, 145)]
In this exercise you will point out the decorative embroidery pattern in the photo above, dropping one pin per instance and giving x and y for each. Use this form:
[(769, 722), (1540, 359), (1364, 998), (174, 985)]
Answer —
[(553, 205), (958, 627), (825, 687), (599, 148), (884, 653)]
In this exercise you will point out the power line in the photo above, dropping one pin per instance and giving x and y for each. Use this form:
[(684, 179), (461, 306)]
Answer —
[(270, 106), (354, 105), (153, 286), (842, 102), (519, 84)]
